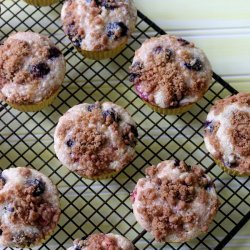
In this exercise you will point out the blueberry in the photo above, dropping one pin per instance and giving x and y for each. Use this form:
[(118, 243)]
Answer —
[(133, 76), (73, 35), (209, 185), (183, 42), (134, 130), (127, 136), (77, 41), (39, 186), (137, 66), (84, 237), (54, 53), (91, 107), (77, 248), (230, 164), (40, 69), (195, 64), (10, 209), (105, 3), (168, 54), (116, 30), (1, 231), (71, 30), (110, 6), (177, 163), (174, 102), (70, 143), (158, 50), (209, 126), (112, 114)]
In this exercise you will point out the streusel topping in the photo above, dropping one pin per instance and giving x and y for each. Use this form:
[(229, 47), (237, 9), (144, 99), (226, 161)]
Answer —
[(175, 202), (170, 72)]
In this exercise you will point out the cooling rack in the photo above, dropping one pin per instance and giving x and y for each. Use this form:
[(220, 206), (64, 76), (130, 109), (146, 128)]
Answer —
[(26, 139)]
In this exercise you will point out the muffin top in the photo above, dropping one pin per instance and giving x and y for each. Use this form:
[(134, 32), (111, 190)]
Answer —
[(227, 132), (29, 207), (98, 25), (169, 72), (95, 139), (103, 242), (32, 68), (175, 202)]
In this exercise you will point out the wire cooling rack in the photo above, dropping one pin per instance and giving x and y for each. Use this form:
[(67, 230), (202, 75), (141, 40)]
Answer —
[(26, 139)]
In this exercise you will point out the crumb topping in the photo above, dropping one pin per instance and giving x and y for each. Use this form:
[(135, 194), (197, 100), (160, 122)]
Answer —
[(98, 25), (170, 72), (168, 204), (240, 132), (241, 99), (95, 138), (227, 133), (25, 66), (165, 79), (31, 210)]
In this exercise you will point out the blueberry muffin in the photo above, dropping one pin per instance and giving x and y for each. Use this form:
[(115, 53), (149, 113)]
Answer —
[(175, 202), (41, 2), (103, 242), (170, 74), (95, 140), (29, 207), (32, 70), (227, 134), (99, 29)]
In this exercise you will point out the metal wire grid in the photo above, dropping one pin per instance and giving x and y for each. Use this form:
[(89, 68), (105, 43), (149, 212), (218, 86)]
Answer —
[(87, 207)]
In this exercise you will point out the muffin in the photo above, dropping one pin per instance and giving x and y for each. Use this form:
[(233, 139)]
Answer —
[(99, 29), (32, 70), (29, 207), (175, 202), (95, 140), (227, 134), (170, 74), (104, 242), (41, 2)]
